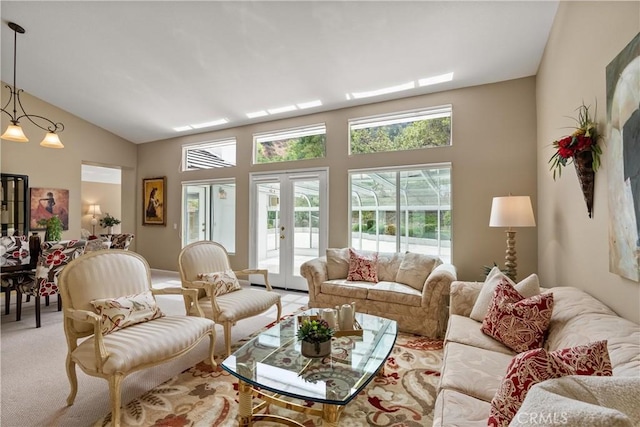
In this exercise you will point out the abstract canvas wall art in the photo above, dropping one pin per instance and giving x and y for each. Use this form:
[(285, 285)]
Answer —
[(623, 161)]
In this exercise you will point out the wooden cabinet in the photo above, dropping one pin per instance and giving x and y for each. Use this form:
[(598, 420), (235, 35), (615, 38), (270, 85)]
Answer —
[(14, 197)]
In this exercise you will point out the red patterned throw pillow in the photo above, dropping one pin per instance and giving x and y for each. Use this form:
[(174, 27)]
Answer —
[(534, 366), (363, 268), (518, 322)]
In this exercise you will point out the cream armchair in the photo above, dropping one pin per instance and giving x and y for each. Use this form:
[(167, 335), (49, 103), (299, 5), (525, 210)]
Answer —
[(124, 334), (209, 257)]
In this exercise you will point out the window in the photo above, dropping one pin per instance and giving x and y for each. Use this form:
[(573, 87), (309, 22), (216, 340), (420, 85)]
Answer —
[(209, 155), (209, 212), (395, 210), (292, 144), (402, 131)]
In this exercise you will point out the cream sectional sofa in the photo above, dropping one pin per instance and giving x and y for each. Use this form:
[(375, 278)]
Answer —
[(412, 289), (474, 365)]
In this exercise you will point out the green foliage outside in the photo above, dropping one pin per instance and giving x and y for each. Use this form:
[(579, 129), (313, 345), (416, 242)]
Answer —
[(402, 136), (421, 224), (306, 147)]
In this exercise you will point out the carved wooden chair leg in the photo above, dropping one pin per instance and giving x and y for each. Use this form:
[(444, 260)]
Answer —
[(73, 380)]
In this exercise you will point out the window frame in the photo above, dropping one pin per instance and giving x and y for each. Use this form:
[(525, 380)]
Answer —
[(399, 243), (288, 133), (208, 144), (400, 117)]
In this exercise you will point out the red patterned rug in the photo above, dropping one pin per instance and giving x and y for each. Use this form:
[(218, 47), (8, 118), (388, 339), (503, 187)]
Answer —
[(202, 396)]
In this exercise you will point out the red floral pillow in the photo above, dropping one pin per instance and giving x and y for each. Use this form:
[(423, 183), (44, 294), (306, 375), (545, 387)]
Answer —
[(517, 322), (534, 366), (363, 268)]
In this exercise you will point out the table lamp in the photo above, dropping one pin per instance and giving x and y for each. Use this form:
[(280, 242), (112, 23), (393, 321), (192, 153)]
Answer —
[(94, 210), (511, 211)]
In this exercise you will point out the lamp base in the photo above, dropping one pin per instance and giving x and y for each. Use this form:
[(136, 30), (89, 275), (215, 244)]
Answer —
[(510, 260)]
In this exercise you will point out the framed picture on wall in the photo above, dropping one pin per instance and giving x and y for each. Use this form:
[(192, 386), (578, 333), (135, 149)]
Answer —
[(48, 202), (154, 203)]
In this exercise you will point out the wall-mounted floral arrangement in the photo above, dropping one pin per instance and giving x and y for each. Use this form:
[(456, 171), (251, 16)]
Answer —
[(581, 148)]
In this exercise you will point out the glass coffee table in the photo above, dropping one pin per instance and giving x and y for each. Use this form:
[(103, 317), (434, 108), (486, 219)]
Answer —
[(270, 366)]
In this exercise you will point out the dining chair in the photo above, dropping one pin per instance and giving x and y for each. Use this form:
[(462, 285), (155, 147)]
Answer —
[(14, 252), (205, 266), (114, 326), (54, 257)]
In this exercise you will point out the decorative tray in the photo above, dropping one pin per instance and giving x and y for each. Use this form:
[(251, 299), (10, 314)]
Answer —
[(356, 331)]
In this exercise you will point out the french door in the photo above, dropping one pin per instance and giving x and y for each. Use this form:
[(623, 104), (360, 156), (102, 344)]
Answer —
[(288, 224)]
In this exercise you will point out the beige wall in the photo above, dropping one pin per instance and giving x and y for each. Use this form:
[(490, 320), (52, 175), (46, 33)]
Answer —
[(573, 249), (493, 154), (109, 197), (84, 143)]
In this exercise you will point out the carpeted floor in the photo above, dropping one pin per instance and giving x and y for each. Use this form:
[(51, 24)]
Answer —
[(202, 396)]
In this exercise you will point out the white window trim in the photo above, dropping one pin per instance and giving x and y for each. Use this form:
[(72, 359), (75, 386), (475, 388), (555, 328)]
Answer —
[(206, 144)]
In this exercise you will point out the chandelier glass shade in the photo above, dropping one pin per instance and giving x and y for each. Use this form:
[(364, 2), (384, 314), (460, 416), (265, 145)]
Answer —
[(14, 131)]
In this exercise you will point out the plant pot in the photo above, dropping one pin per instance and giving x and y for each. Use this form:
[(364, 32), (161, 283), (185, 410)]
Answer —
[(315, 349)]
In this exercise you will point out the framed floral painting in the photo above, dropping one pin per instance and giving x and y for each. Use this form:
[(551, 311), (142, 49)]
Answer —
[(154, 203), (623, 148)]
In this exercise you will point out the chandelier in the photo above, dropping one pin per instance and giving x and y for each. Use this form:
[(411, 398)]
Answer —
[(14, 130)]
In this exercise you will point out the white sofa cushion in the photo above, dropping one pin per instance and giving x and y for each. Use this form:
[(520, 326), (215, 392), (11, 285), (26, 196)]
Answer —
[(527, 287), (345, 288), (415, 268), (395, 293), (467, 331), (337, 263), (457, 409), (473, 371)]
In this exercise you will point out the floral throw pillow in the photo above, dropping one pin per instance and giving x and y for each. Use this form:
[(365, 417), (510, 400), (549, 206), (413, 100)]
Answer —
[(223, 281), (517, 322), (534, 366), (363, 267), (118, 313)]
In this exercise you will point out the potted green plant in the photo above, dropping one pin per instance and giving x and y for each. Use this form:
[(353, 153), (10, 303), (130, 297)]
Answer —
[(315, 335), (53, 227), (108, 221)]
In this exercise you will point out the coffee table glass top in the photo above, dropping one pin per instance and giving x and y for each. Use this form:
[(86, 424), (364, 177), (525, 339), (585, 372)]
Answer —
[(272, 361)]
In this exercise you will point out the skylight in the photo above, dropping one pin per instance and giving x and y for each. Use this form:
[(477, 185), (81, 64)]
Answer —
[(201, 125), (427, 81), (285, 109)]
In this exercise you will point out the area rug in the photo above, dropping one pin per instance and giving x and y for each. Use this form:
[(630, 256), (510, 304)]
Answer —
[(204, 396)]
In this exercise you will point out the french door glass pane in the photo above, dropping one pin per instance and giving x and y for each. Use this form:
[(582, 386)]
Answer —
[(268, 226), (306, 222)]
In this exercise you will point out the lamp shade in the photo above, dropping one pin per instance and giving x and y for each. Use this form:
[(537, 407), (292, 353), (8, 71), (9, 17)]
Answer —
[(51, 140), (14, 133), (512, 211), (95, 210)]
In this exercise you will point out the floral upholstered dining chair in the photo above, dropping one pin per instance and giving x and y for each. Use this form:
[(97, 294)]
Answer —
[(54, 256), (14, 250), (121, 241)]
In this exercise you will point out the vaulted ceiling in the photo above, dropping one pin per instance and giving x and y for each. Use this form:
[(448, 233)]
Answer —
[(140, 69)]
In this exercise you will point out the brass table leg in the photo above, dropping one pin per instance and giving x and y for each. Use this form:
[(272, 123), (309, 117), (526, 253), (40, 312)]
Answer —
[(245, 407), (330, 415)]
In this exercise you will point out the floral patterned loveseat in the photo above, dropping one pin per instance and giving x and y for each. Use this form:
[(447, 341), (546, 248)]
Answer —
[(410, 288)]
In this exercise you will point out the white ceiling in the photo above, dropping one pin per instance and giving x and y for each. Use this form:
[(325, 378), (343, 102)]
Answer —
[(141, 68)]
